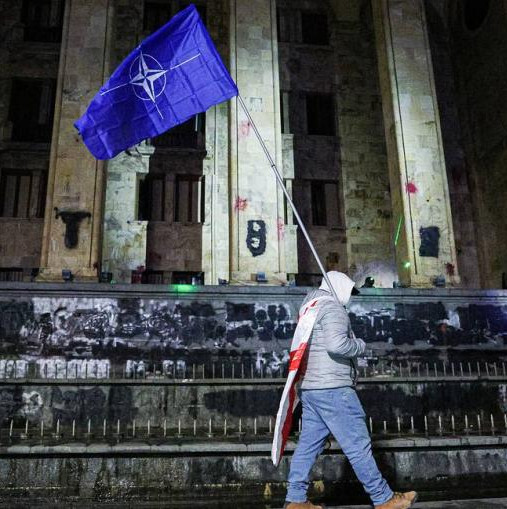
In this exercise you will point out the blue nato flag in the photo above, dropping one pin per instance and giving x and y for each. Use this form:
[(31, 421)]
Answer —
[(172, 75)]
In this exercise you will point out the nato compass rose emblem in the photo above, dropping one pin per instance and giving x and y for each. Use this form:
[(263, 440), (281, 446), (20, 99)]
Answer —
[(148, 78)]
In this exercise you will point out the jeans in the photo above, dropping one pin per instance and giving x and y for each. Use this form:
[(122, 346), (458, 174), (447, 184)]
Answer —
[(337, 411)]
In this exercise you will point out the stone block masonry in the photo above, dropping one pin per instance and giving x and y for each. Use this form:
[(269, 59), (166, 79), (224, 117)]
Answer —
[(425, 241), (76, 179), (216, 473)]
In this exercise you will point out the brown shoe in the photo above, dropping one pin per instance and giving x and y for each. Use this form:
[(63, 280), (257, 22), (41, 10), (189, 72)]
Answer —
[(400, 501), (302, 505)]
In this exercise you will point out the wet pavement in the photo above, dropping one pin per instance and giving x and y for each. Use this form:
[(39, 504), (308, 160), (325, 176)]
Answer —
[(492, 503)]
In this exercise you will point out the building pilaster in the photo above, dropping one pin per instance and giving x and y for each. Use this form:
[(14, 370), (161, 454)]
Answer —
[(422, 223), (76, 179)]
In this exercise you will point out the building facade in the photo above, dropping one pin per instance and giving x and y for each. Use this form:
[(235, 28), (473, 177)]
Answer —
[(386, 119)]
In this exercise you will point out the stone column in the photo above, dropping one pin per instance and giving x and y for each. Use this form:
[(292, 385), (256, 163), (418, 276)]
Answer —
[(125, 237), (75, 181), (215, 228), (422, 223), (257, 216)]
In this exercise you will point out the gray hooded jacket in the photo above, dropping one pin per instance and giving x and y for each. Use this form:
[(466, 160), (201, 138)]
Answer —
[(332, 348)]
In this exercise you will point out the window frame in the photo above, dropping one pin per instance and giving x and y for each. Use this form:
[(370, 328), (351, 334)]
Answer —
[(34, 131), (305, 15), (323, 202), (316, 129), (40, 31), (145, 210), (190, 178), (37, 206)]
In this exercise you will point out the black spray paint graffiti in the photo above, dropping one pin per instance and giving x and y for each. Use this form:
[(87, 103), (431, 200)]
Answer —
[(246, 321), (132, 328), (72, 221), (256, 237), (14, 316), (431, 323), (89, 338), (95, 404), (430, 238)]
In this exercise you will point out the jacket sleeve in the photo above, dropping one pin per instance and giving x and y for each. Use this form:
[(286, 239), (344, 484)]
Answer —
[(335, 327)]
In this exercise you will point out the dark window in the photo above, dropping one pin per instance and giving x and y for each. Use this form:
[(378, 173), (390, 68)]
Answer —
[(314, 28), (475, 12), (190, 134), (283, 23), (189, 199), (155, 15), (22, 194), (43, 20), (325, 207), (284, 111), (187, 278), (320, 114), (154, 277), (152, 198), (11, 274), (31, 109), (319, 217)]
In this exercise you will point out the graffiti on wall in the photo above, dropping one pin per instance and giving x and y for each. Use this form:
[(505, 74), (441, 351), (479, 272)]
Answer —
[(256, 237), (431, 323), (60, 337), (91, 331), (430, 238)]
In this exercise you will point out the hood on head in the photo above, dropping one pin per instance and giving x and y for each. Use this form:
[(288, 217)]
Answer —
[(342, 285)]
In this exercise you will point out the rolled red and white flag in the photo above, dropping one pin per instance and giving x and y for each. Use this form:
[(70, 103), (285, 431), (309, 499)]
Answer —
[(290, 399)]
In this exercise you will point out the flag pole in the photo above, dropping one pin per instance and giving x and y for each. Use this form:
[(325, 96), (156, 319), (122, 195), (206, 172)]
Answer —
[(287, 196)]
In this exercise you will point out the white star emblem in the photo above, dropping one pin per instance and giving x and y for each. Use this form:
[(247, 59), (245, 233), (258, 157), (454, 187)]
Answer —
[(146, 78), (145, 73)]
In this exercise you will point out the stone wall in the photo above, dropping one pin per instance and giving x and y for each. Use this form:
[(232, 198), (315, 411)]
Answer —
[(99, 355), (199, 324), (367, 200), (20, 238), (458, 177), (172, 245), (481, 83), (360, 241), (218, 202), (228, 475), (180, 402)]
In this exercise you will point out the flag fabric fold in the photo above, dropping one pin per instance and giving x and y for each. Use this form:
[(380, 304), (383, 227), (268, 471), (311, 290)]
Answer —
[(171, 76), (290, 398)]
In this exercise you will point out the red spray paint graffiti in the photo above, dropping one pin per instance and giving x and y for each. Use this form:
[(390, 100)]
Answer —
[(411, 188), (244, 129), (240, 203), (280, 227)]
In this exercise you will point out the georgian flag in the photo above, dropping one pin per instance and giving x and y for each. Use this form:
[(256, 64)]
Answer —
[(290, 399)]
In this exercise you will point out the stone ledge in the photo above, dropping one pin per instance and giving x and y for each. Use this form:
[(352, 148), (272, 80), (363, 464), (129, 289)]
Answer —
[(205, 291), (199, 448)]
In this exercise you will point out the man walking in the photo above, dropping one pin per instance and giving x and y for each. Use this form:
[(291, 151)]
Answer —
[(330, 402)]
